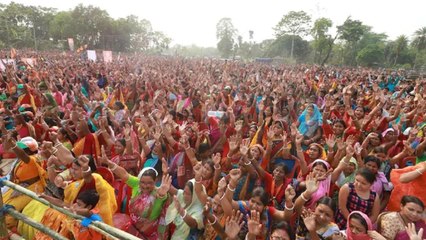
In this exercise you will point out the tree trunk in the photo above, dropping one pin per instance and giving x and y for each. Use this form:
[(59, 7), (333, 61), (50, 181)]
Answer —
[(330, 48), (292, 47)]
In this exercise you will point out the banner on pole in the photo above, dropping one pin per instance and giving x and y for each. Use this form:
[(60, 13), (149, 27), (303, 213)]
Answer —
[(107, 56), (71, 44), (91, 55)]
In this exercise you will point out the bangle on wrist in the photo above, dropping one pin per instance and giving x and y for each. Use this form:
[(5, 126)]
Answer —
[(184, 214), (87, 171), (419, 172), (162, 197), (217, 167), (57, 145), (287, 208), (197, 181), (127, 139), (13, 148), (230, 189), (113, 167), (215, 220), (303, 197), (247, 163)]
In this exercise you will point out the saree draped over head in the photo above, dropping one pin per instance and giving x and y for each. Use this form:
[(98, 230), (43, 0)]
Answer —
[(29, 175), (309, 124), (195, 210), (360, 236), (324, 185)]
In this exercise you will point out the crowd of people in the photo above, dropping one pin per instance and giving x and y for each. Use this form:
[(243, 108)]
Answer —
[(175, 148)]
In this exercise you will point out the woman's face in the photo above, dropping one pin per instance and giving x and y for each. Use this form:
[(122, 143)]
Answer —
[(323, 214), (146, 184), (187, 196), (359, 112), (349, 169), (313, 152), (217, 207), (255, 153), (256, 204), (268, 111), (278, 129), (412, 211), (278, 174), (310, 110), (252, 132), (375, 141), (207, 171), (356, 226), (338, 128), (372, 166), (280, 234), (319, 170), (361, 184), (119, 149)]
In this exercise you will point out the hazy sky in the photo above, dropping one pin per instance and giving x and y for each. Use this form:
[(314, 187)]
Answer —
[(194, 21)]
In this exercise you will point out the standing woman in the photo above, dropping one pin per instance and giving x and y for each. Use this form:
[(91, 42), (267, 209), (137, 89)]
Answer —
[(147, 205), (357, 196)]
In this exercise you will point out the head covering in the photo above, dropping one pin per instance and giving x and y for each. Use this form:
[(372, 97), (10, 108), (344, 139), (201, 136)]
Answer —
[(360, 236), (20, 86), (228, 88), (324, 186), (28, 142), (387, 130), (195, 210), (307, 127), (323, 153), (146, 169)]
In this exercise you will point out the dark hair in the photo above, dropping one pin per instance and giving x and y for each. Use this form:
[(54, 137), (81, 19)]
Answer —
[(328, 201), (358, 217), (319, 163), (367, 174), (282, 166), (412, 199), (340, 121), (283, 226), (371, 158), (149, 173), (120, 105), (262, 194), (191, 186), (89, 197), (122, 141)]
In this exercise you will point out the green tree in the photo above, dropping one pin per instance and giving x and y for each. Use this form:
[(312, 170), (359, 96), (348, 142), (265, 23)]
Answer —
[(419, 43), (294, 24), (401, 45), (323, 41), (351, 31), (281, 47), (225, 34)]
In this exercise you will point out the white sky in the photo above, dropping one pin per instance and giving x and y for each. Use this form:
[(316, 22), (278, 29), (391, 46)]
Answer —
[(194, 21)]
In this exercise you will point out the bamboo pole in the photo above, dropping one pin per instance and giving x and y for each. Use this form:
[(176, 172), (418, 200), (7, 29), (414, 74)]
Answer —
[(35, 224), (3, 229), (103, 228)]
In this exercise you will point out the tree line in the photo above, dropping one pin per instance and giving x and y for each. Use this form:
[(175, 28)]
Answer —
[(353, 44), (45, 28)]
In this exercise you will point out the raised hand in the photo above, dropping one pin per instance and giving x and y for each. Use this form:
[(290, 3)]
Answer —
[(177, 204), (350, 150), (271, 133), (411, 231), (103, 158), (234, 224), (165, 186), (244, 147), (157, 134), (221, 185), (235, 174), (331, 141), (198, 171), (312, 183), (309, 220), (233, 143), (253, 223), (290, 193), (164, 166)]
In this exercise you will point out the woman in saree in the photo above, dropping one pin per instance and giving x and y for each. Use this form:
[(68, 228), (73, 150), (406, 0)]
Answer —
[(393, 225), (257, 204), (309, 124), (147, 204), (83, 179), (27, 172), (87, 142)]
